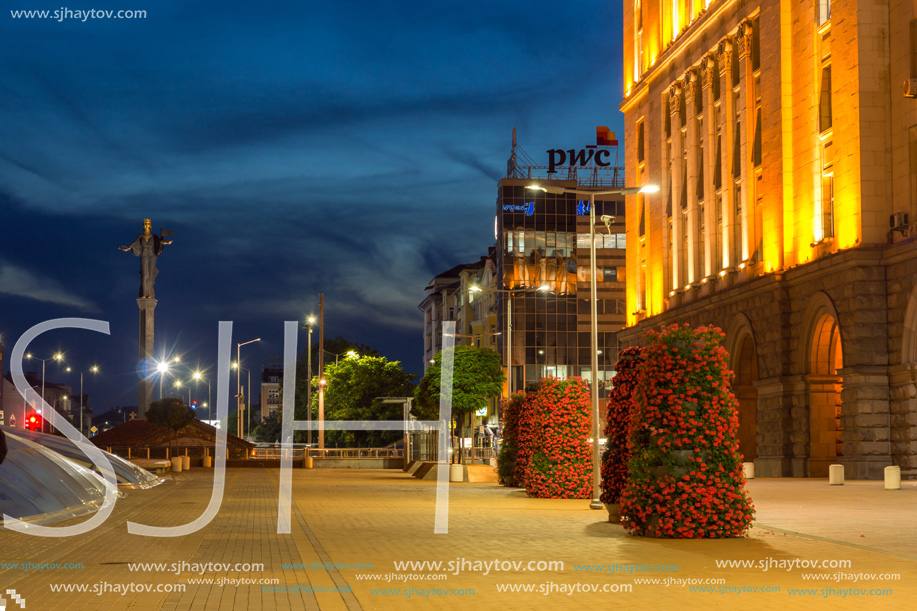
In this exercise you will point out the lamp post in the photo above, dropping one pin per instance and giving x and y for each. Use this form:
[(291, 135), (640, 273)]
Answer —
[(509, 325), (596, 502), (309, 322), (241, 404), (198, 376), (56, 357), (93, 369)]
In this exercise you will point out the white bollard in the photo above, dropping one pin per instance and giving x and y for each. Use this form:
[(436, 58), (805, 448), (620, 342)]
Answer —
[(749, 468), (893, 478), (836, 475), (456, 472), (176, 464), (185, 463)]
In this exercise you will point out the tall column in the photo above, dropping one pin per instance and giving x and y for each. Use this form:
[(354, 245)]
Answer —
[(692, 90), (678, 248), (146, 349), (727, 111)]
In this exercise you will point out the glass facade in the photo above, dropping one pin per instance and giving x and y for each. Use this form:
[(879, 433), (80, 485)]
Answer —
[(543, 262)]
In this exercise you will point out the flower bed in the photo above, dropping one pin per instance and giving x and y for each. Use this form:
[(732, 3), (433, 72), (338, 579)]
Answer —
[(685, 472), (618, 423), (560, 466)]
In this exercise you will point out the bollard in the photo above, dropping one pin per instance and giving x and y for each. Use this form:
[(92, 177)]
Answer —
[(309, 462), (185, 463), (749, 469), (176, 464), (893, 478), (456, 473), (208, 461), (836, 475)]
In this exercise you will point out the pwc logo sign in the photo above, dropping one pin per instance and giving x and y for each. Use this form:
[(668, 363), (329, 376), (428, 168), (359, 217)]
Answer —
[(527, 207), (592, 153), (16, 598)]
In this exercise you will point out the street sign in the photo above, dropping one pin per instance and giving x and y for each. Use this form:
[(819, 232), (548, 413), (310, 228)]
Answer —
[(94, 429), (12, 420)]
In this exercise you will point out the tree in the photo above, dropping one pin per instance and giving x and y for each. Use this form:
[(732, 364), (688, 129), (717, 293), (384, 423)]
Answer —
[(351, 390), (335, 346), (476, 377), (270, 428), (170, 413)]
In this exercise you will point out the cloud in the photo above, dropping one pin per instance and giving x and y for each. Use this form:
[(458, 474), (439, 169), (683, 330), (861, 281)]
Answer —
[(21, 282)]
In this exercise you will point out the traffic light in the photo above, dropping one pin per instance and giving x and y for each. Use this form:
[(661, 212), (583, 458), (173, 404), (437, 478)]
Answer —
[(33, 422)]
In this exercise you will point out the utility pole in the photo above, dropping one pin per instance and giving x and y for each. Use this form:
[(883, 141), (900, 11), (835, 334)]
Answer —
[(321, 371)]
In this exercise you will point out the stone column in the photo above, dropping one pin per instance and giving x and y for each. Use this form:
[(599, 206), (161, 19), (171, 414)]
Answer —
[(146, 350), (866, 422), (692, 90), (678, 249), (727, 114), (783, 429)]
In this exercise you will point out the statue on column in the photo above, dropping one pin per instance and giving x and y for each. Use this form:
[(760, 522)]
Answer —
[(148, 246)]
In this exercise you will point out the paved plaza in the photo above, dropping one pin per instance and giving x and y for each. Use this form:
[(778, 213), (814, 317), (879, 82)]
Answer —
[(350, 527)]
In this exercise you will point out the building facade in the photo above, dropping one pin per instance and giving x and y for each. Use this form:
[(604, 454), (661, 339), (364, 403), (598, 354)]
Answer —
[(271, 387), (543, 281), (786, 153)]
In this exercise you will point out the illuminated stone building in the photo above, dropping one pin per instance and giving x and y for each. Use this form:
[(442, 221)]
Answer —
[(786, 151)]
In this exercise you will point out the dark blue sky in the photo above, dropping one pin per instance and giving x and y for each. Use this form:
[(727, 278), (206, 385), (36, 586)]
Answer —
[(349, 147)]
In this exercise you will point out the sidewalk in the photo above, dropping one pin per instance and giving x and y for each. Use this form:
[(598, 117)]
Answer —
[(377, 518)]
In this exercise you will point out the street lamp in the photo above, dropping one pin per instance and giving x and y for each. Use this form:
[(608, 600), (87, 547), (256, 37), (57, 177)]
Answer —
[(163, 368), (596, 502), (58, 356), (309, 322), (509, 327), (248, 401), (197, 376), (241, 405), (93, 369)]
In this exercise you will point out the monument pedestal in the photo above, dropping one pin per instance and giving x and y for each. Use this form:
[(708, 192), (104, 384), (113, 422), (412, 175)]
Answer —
[(145, 343)]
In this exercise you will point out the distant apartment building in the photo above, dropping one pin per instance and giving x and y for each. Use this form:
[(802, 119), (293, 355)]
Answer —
[(271, 386)]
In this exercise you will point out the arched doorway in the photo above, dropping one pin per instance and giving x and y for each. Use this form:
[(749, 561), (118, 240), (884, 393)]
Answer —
[(825, 360), (745, 367)]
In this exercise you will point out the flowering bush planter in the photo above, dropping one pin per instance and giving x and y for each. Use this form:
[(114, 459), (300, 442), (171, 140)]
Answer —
[(560, 464), (509, 447), (524, 430), (618, 424), (685, 472)]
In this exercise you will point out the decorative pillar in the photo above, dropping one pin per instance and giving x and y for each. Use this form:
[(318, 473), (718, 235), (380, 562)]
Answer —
[(678, 248), (692, 90), (727, 114), (147, 307)]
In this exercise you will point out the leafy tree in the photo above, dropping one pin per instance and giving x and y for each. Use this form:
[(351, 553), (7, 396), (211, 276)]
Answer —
[(269, 430), (352, 386), (477, 376), (335, 346), (170, 413)]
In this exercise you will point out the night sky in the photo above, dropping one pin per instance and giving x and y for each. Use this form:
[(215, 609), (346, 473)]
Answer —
[(349, 147)]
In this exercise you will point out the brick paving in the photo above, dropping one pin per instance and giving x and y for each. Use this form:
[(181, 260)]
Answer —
[(379, 517)]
